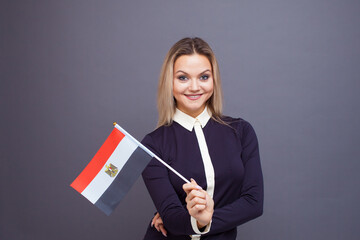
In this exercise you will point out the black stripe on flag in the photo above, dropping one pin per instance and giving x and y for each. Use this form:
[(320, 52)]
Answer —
[(123, 181)]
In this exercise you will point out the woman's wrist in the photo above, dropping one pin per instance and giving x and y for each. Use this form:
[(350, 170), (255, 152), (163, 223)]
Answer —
[(201, 225)]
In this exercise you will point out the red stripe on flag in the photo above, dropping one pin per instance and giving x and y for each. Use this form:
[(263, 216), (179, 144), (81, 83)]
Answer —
[(98, 161)]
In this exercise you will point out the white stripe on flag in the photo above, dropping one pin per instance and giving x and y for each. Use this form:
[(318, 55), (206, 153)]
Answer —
[(102, 180)]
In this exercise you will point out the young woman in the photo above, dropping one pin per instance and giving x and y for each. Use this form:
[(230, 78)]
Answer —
[(219, 154)]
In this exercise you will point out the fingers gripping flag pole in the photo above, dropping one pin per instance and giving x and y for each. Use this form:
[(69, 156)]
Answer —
[(114, 169)]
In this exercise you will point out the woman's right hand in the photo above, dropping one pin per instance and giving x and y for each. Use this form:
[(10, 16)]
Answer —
[(199, 204)]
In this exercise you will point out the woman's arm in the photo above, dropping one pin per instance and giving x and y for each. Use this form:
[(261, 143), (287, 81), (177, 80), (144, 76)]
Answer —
[(175, 216), (250, 204)]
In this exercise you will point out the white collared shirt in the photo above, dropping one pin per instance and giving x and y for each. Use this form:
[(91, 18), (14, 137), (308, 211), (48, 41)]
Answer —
[(188, 122)]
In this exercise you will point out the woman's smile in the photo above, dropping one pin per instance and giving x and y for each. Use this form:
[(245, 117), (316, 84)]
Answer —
[(193, 96)]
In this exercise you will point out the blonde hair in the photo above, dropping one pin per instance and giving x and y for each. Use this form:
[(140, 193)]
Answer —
[(165, 99)]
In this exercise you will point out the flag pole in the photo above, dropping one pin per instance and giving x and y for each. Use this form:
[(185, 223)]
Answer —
[(150, 152)]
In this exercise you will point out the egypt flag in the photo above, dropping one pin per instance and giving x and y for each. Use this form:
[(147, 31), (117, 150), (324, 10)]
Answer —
[(113, 170)]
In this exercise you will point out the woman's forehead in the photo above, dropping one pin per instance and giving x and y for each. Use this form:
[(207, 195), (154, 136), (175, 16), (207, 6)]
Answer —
[(194, 63)]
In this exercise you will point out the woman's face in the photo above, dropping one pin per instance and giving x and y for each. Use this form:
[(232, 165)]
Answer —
[(193, 83)]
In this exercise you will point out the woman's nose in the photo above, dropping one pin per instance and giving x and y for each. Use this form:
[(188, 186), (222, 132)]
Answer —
[(194, 85)]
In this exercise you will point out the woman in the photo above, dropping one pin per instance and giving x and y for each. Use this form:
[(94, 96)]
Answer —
[(220, 153)]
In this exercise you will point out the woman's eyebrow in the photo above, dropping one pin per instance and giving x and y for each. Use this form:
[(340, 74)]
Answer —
[(181, 71), (207, 70)]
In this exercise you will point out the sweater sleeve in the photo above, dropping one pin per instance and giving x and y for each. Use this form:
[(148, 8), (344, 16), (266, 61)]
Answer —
[(174, 215), (250, 203)]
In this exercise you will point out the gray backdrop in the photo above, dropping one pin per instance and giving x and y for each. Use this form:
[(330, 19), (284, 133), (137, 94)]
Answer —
[(71, 68)]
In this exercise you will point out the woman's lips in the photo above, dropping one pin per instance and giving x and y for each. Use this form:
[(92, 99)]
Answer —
[(193, 96)]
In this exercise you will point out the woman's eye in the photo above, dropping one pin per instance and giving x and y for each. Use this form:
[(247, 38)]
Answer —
[(204, 77), (182, 78)]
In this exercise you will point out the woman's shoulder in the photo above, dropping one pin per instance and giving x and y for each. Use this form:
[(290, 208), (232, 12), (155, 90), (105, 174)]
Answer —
[(160, 131), (158, 134), (240, 125), (234, 121), (156, 139)]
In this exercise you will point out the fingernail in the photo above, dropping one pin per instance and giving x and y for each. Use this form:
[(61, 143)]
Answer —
[(152, 224), (198, 187), (164, 234)]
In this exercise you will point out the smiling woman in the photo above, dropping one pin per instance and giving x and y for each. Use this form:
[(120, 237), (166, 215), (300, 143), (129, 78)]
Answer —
[(186, 49), (221, 153)]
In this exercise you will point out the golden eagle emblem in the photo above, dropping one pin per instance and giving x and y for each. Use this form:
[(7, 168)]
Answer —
[(111, 170)]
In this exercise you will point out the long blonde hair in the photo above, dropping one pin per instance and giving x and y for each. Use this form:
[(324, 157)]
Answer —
[(165, 100)]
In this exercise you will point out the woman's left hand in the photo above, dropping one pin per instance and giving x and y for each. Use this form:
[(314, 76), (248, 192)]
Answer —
[(158, 224), (199, 204)]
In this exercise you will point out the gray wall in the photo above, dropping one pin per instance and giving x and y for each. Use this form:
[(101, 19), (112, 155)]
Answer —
[(71, 68)]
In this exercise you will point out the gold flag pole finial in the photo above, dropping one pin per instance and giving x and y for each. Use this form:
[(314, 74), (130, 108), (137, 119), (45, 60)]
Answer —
[(114, 123)]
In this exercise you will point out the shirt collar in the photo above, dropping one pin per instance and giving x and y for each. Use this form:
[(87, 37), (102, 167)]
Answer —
[(188, 122)]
